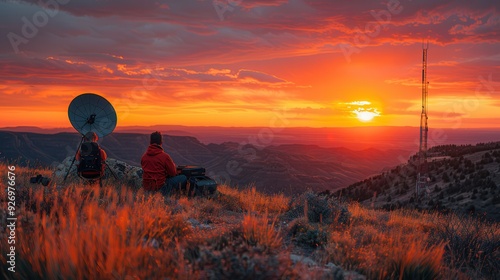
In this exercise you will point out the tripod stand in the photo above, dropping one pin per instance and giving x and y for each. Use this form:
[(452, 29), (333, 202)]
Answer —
[(74, 158)]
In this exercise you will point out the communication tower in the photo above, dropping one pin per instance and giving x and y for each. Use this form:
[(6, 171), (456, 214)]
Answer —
[(422, 177)]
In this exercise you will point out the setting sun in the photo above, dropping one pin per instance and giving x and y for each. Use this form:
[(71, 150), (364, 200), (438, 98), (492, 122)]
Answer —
[(366, 116)]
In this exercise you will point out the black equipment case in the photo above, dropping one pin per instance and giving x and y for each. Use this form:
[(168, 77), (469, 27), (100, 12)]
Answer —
[(199, 183), (202, 186), (190, 170)]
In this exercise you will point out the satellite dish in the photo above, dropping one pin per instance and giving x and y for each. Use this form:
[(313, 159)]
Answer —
[(91, 112)]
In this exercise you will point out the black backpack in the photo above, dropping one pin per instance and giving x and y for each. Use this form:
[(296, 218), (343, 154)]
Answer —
[(90, 166), (199, 184)]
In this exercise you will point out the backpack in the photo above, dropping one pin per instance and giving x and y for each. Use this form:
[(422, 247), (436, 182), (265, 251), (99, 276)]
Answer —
[(90, 166), (199, 184), (202, 186)]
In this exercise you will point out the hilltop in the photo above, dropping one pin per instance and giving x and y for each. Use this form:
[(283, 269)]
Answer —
[(75, 230), (462, 178)]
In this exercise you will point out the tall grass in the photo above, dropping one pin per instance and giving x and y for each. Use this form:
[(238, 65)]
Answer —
[(77, 231), (250, 200), (98, 234), (417, 261), (385, 245), (258, 230), (472, 244)]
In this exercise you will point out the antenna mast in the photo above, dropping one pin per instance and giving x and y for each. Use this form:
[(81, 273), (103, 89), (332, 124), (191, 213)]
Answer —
[(422, 176)]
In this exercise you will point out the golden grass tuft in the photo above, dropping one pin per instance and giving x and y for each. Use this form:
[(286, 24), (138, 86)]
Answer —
[(417, 261), (258, 230), (251, 200)]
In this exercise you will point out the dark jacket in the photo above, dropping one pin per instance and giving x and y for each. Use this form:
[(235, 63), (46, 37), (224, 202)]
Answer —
[(88, 149), (104, 156), (157, 166)]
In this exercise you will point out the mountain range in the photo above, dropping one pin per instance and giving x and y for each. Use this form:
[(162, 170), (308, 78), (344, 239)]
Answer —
[(353, 138), (287, 168), (463, 178)]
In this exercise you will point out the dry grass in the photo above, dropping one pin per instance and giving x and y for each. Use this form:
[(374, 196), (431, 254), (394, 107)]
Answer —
[(472, 246), (250, 200), (258, 230), (393, 245), (92, 233), (86, 232)]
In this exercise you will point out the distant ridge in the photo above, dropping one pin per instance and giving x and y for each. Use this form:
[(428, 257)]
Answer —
[(463, 178), (354, 138), (35, 129), (277, 168)]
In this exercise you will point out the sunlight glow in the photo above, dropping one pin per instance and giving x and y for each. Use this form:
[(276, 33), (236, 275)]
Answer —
[(366, 116)]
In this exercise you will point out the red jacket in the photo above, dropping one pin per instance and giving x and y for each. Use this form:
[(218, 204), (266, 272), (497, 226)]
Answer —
[(157, 166)]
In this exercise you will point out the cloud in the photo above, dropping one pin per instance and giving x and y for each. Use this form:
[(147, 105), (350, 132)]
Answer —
[(309, 111), (259, 77), (189, 32), (262, 52)]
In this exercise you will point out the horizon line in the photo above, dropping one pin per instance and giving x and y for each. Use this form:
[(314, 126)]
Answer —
[(241, 127)]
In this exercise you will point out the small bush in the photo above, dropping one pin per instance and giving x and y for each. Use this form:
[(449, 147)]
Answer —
[(239, 260), (307, 235), (313, 238), (318, 208)]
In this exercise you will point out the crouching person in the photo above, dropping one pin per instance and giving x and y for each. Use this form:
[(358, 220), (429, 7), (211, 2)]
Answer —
[(160, 173)]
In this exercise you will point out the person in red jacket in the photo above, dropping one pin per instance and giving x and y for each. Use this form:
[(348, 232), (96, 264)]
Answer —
[(160, 171)]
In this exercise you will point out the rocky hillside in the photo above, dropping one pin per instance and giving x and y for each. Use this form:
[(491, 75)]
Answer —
[(463, 178)]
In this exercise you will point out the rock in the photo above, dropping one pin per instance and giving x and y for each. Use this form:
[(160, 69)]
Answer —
[(63, 167), (353, 275), (126, 173), (305, 260), (329, 271), (153, 243), (204, 226), (195, 224), (131, 175)]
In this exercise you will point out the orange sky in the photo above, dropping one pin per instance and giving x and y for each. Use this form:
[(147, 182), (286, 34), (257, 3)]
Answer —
[(251, 62)]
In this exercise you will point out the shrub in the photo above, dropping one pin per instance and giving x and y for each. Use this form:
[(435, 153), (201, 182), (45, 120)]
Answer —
[(471, 243), (238, 260), (313, 238), (307, 235), (319, 209)]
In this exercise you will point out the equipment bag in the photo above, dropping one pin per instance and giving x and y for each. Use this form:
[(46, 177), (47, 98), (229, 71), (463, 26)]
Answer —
[(190, 170), (202, 186), (90, 166)]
